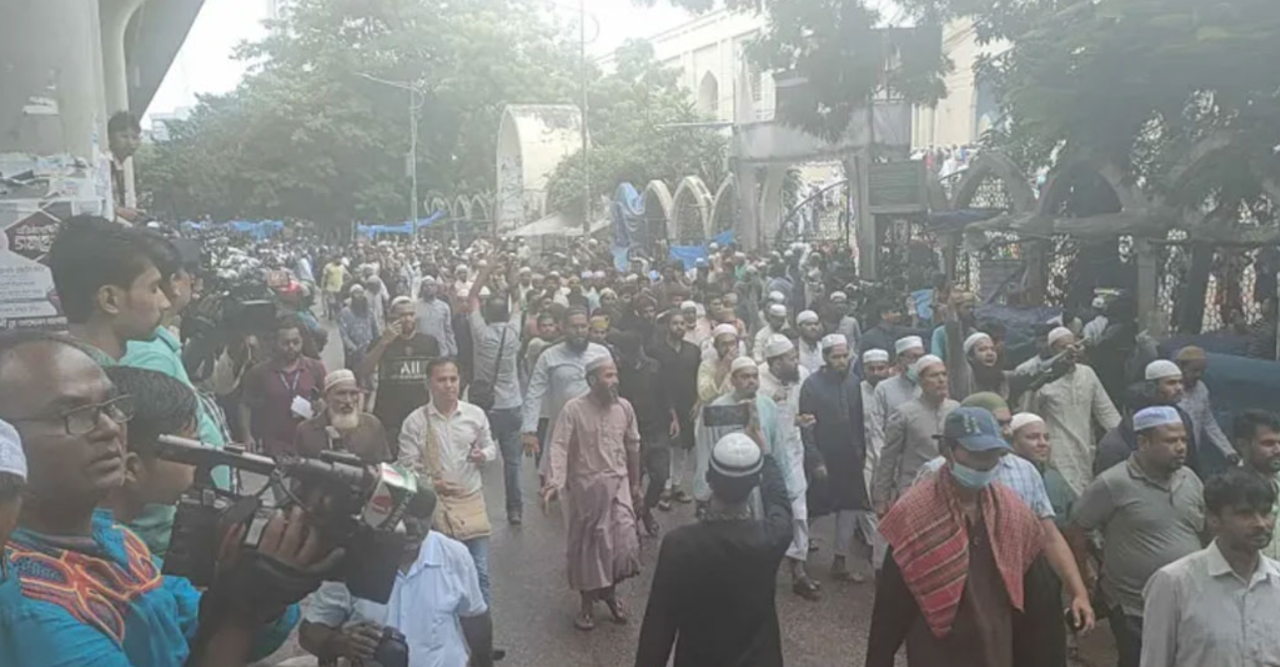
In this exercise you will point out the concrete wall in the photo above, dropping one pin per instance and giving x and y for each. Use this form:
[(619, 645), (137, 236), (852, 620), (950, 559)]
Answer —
[(955, 120)]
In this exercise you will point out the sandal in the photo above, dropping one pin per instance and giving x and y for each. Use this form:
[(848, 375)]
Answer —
[(584, 622), (805, 588), (617, 611)]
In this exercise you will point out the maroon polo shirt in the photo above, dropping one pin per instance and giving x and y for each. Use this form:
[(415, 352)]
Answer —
[(269, 392)]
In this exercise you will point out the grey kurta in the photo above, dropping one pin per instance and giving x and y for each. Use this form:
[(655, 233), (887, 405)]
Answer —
[(888, 395), (560, 374), (909, 443)]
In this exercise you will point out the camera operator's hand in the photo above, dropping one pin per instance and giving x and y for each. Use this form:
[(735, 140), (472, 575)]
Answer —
[(357, 641)]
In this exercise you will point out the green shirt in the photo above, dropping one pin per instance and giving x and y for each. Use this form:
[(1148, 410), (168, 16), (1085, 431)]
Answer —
[(164, 354)]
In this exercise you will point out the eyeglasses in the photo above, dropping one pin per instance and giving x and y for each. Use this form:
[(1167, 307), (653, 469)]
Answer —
[(82, 420)]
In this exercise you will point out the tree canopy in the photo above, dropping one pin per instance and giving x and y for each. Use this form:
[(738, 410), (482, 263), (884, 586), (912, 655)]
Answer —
[(307, 134), (631, 113)]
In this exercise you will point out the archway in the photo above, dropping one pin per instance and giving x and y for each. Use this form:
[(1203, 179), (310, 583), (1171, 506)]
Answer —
[(709, 95), (724, 209), (692, 212), (658, 205)]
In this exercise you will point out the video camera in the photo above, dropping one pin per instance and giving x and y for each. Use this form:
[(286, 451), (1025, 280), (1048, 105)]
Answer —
[(358, 507)]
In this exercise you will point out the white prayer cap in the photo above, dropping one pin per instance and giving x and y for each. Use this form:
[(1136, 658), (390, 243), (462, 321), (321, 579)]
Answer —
[(806, 316), (607, 292), (1161, 369), (1058, 334), (713, 246), (875, 354), (340, 376), (1157, 415), (908, 343), (482, 263), (12, 459), (1024, 419), (484, 291), (1099, 301), (777, 296), (427, 280), (597, 274), (460, 267), (834, 340), (839, 297), (973, 339), (724, 330), (777, 310), (736, 455), (525, 271), (739, 255), (688, 305), (585, 275), (399, 300), (357, 289), (537, 276), (553, 274), (925, 362), (742, 363), (777, 346)]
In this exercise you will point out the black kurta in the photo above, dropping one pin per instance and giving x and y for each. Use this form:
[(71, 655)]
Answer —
[(714, 586), (835, 401)]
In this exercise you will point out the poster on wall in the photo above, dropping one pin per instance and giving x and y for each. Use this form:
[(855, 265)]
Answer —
[(36, 194)]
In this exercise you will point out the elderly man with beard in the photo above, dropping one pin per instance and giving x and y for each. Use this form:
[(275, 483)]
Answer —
[(781, 377), (911, 435), (594, 460), (343, 426), (831, 401)]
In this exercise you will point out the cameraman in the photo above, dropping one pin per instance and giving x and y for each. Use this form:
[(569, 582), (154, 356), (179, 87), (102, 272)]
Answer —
[(436, 603), (70, 419)]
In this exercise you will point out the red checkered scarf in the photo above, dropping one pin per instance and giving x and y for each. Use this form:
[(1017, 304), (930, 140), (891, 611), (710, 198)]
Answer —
[(931, 547)]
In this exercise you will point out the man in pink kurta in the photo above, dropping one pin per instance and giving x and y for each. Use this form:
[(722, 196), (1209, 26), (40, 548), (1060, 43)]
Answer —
[(595, 461)]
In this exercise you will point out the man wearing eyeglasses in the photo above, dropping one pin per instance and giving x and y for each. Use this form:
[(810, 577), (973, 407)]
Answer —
[(86, 582), (343, 426)]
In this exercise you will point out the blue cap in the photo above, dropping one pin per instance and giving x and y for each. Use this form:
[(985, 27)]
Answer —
[(975, 429)]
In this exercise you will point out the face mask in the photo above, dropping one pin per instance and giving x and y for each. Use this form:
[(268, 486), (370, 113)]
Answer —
[(970, 478)]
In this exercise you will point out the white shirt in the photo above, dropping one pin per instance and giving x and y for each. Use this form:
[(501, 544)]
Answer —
[(458, 434), (810, 355), (425, 604), (1198, 613)]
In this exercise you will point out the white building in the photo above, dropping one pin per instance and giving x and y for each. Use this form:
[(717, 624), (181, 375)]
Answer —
[(709, 53)]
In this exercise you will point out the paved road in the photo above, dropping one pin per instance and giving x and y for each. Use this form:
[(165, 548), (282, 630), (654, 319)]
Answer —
[(533, 607)]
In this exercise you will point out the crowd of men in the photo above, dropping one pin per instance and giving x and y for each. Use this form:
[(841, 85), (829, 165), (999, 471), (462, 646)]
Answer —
[(982, 493)]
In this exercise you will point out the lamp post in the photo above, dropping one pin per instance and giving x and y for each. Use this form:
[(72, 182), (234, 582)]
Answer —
[(413, 141)]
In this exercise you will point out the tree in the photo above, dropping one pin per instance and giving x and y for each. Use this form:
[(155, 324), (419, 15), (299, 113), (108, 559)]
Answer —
[(631, 113), (307, 134)]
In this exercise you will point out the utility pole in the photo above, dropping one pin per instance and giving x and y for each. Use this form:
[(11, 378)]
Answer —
[(413, 160), (586, 148)]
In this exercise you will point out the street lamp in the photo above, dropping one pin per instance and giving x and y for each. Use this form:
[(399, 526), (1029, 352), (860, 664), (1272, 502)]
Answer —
[(414, 106)]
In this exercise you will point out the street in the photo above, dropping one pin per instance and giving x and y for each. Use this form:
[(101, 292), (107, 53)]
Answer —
[(533, 607)]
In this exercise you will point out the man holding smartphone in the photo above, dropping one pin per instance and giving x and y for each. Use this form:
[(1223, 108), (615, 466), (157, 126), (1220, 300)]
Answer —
[(739, 410), (400, 357)]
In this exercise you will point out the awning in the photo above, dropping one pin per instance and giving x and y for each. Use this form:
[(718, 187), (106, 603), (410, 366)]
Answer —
[(557, 224)]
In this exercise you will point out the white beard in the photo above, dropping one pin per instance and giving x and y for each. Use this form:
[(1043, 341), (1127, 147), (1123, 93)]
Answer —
[(344, 421)]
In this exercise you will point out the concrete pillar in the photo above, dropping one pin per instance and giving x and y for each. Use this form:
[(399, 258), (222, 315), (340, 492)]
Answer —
[(52, 142), (868, 240), (771, 204), (748, 231)]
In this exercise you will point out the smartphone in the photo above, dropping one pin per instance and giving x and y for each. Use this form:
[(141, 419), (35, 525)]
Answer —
[(726, 415)]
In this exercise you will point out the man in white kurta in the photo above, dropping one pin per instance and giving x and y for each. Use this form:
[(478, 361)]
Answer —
[(781, 376), (1069, 406)]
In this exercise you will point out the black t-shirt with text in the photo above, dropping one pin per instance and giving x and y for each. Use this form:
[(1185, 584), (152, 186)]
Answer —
[(402, 378)]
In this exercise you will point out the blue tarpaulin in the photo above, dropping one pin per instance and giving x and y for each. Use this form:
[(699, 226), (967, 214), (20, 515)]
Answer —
[(402, 228), (626, 212), (259, 230), (690, 254)]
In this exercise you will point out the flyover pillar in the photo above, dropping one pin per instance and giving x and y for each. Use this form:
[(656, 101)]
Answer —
[(53, 153)]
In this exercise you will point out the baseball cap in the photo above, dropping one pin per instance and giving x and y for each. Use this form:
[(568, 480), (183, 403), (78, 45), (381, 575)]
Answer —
[(975, 429)]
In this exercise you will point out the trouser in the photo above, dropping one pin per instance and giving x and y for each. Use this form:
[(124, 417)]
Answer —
[(681, 459), (479, 548), (544, 425), (1128, 632), (857, 536), (655, 451), (799, 549), (505, 424)]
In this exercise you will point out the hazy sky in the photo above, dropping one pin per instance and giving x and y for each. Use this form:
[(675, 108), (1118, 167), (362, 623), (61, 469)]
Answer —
[(204, 65)]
